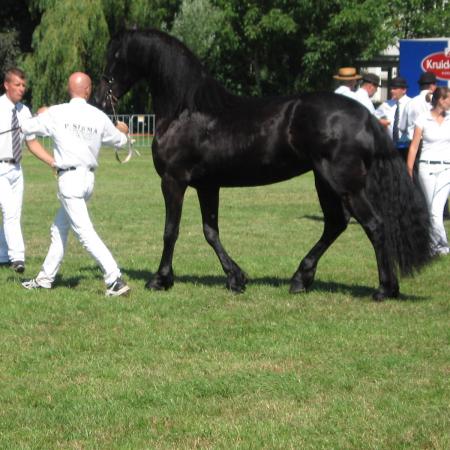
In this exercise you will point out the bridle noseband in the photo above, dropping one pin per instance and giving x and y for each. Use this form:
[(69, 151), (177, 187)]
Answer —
[(109, 94)]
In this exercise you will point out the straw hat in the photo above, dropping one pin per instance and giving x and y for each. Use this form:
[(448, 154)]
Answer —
[(347, 73)]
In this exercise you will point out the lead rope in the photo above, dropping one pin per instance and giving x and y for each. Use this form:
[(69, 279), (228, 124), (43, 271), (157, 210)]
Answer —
[(131, 150), (9, 131)]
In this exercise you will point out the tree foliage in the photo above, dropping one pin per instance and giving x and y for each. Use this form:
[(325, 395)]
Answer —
[(71, 37), (9, 49), (16, 27)]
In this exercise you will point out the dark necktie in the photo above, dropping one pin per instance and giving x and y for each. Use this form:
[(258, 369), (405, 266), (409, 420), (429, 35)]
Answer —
[(16, 146), (395, 133)]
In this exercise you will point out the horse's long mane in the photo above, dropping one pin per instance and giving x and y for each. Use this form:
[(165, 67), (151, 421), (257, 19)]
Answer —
[(175, 74)]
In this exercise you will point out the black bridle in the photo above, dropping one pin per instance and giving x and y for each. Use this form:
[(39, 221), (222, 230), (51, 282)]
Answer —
[(109, 95), (111, 98)]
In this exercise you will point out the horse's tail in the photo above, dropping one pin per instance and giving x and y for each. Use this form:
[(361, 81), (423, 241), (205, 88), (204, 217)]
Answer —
[(401, 204)]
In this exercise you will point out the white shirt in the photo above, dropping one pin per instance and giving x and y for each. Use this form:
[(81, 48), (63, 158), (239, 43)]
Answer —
[(346, 91), (435, 137), (23, 113), (362, 96), (416, 106), (387, 110), (78, 131)]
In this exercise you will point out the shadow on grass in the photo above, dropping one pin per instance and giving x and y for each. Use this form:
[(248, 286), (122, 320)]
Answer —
[(330, 287), (69, 282), (319, 218)]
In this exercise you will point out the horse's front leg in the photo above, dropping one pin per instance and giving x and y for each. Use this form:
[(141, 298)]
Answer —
[(173, 192), (209, 205)]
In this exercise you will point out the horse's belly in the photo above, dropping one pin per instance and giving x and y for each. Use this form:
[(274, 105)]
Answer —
[(245, 175)]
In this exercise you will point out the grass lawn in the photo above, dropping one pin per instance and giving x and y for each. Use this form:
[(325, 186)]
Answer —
[(200, 367)]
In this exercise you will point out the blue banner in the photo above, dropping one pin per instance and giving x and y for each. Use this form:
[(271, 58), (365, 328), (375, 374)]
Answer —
[(424, 55)]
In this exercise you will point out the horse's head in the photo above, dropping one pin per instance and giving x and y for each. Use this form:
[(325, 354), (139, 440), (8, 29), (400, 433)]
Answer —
[(119, 75)]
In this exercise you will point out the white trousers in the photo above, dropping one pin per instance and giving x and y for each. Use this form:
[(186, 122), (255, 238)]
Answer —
[(75, 188), (12, 247), (435, 181)]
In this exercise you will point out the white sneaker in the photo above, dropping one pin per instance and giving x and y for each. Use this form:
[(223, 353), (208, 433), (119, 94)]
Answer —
[(441, 251), (33, 284), (119, 287)]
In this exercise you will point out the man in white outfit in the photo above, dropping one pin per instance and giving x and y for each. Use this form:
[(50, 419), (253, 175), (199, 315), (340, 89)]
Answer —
[(12, 113), (395, 105), (347, 78), (369, 85), (78, 131), (419, 103), (393, 110)]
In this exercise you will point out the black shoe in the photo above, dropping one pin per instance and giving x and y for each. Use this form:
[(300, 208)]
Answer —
[(18, 266), (119, 287)]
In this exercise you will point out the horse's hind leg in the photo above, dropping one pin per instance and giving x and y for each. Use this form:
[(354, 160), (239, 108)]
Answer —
[(209, 205), (173, 192), (335, 222), (363, 212)]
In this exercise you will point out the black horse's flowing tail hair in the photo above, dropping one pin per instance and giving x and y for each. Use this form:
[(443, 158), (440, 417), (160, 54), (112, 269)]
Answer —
[(401, 204)]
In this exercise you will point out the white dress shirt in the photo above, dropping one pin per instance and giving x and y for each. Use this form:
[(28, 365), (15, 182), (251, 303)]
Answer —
[(78, 130), (415, 108), (362, 96), (387, 110), (23, 113), (346, 91)]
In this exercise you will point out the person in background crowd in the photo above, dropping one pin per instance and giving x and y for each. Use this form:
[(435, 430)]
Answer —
[(78, 130), (369, 85), (393, 111), (12, 113), (419, 103), (347, 78), (433, 129)]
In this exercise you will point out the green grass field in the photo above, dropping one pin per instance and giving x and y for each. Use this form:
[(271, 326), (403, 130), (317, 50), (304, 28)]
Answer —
[(199, 367)]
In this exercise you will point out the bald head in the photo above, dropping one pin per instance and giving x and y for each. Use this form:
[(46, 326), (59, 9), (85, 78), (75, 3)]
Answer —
[(79, 85)]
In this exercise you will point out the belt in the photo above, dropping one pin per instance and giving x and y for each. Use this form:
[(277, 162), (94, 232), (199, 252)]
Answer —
[(61, 170), (433, 162), (8, 161)]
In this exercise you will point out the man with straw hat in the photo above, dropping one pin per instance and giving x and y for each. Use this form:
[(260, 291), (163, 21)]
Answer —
[(347, 78)]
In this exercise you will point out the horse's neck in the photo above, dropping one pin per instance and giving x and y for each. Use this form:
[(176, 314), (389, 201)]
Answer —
[(173, 74), (178, 82)]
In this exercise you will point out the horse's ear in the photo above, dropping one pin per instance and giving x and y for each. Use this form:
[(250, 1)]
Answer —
[(124, 26), (121, 26)]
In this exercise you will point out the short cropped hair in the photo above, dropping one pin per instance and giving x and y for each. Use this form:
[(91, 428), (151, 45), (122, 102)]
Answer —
[(13, 71)]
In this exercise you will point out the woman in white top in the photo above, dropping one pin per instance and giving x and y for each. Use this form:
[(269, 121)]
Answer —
[(433, 129)]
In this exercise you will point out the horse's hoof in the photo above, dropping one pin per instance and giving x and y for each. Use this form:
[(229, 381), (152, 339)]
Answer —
[(382, 294), (301, 284), (302, 280), (236, 283), (158, 283), (297, 288), (236, 289)]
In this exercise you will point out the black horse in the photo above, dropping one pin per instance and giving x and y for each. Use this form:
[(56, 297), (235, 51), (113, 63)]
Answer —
[(207, 138)]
